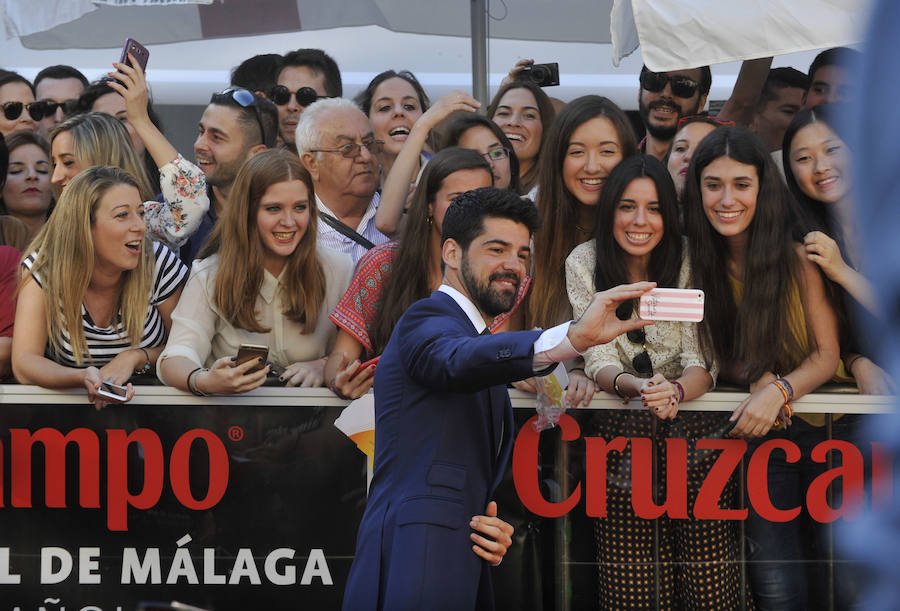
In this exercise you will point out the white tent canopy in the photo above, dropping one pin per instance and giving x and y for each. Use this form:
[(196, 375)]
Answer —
[(212, 40)]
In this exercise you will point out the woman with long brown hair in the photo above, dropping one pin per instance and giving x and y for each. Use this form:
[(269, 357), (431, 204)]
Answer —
[(524, 113), (261, 279), (586, 141)]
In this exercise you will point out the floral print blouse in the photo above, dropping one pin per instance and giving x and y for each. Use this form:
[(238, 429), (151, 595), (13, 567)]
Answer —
[(185, 201)]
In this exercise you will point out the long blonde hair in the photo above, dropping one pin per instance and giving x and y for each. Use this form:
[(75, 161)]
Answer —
[(64, 262), (100, 139), (236, 238)]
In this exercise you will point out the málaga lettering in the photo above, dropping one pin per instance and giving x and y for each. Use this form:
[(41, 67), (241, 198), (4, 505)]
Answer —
[(850, 472), (118, 496)]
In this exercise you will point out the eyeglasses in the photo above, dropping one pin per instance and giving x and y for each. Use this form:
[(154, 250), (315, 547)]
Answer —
[(682, 86), (496, 154), (49, 107), (13, 110), (305, 96), (246, 99), (352, 149), (641, 362), (704, 119)]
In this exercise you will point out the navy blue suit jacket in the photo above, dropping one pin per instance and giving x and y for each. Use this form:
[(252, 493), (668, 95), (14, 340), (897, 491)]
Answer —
[(443, 434)]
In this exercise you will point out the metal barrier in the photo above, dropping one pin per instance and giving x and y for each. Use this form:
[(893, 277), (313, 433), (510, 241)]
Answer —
[(238, 502)]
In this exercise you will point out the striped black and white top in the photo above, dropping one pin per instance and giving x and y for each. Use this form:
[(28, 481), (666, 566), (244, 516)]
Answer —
[(104, 343)]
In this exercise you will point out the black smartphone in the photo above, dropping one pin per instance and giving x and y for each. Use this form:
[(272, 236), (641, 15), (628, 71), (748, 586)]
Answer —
[(248, 352), (139, 51)]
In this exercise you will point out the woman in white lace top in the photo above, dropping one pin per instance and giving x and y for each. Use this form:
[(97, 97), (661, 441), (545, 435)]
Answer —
[(637, 237)]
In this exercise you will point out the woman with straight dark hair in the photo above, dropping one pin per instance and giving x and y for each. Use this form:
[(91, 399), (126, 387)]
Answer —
[(817, 168), (406, 168), (586, 141), (260, 279), (769, 324), (394, 275), (637, 238), (393, 102), (524, 113), (471, 131)]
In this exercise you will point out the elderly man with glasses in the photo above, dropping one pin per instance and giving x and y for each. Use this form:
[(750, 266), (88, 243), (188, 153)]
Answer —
[(336, 144)]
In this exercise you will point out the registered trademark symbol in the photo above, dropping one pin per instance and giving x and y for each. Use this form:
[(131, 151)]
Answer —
[(235, 433)]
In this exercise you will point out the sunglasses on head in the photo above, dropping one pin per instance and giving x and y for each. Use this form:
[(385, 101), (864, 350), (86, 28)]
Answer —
[(641, 362), (246, 99), (281, 95), (682, 86), (13, 110)]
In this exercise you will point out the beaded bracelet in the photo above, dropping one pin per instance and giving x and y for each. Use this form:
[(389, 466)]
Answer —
[(146, 367), (680, 388)]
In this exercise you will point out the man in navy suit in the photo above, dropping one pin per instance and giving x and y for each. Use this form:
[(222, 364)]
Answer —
[(443, 421)]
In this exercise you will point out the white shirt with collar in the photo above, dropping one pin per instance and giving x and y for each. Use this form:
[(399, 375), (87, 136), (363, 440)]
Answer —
[(334, 239), (552, 346)]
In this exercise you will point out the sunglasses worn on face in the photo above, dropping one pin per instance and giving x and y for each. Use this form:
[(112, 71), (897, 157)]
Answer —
[(682, 86), (246, 99), (49, 106), (352, 149), (281, 95), (13, 110)]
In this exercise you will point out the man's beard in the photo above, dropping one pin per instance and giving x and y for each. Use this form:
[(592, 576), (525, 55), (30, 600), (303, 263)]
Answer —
[(662, 132), (490, 301)]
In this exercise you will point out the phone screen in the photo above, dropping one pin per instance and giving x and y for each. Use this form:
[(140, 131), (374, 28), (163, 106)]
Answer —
[(114, 389)]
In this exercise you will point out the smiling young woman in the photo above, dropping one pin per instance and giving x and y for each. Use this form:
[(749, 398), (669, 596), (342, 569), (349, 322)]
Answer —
[(97, 301), (636, 238), (261, 279)]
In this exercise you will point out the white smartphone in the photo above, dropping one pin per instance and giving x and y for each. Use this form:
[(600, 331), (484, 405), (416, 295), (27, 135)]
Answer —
[(680, 305), (112, 391)]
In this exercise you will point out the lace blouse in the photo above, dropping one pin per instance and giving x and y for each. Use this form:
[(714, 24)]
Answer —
[(672, 346)]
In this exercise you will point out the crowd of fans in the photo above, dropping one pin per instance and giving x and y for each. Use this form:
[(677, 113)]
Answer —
[(308, 223)]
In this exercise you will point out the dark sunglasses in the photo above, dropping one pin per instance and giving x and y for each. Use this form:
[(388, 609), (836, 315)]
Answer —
[(49, 106), (281, 95), (641, 363), (715, 121), (13, 110), (682, 86), (246, 99)]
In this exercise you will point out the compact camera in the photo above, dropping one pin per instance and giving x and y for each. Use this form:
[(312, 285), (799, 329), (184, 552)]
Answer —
[(542, 75)]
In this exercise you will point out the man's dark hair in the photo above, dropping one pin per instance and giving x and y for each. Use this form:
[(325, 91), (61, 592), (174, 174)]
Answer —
[(778, 79), (318, 61), (835, 56), (259, 73), (268, 116), (464, 220), (705, 78), (8, 76), (60, 71)]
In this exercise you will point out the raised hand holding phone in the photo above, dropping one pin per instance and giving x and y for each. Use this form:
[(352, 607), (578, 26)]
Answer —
[(352, 380)]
